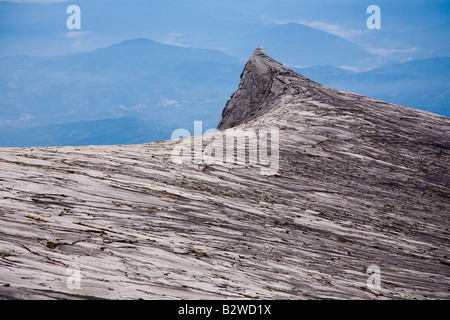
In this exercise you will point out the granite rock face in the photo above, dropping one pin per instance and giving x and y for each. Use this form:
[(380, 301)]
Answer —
[(263, 81), (258, 86), (361, 183)]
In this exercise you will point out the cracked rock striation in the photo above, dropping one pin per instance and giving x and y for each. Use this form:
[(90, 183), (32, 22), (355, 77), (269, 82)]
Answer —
[(361, 183)]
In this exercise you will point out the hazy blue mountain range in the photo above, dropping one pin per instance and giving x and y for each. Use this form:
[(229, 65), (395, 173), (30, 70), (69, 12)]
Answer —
[(50, 75), (299, 45), (422, 84), (410, 29), (139, 78), (41, 31), (169, 86), (105, 132)]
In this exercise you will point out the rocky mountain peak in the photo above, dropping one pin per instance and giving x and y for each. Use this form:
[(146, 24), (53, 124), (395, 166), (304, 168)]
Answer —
[(361, 190), (260, 81), (261, 64)]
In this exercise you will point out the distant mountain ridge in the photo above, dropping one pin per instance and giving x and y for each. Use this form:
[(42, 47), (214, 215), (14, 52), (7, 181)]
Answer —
[(138, 78), (422, 84), (82, 133), (296, 44), (170, 85)]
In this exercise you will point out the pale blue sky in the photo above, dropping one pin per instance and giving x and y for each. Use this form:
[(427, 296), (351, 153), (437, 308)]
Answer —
[(410, 29)]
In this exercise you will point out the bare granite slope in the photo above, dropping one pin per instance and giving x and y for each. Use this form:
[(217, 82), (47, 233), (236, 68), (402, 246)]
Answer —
[(360, 182)]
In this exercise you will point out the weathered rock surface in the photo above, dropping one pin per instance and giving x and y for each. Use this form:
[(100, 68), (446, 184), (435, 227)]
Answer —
[(260, 85), (361, 182)]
